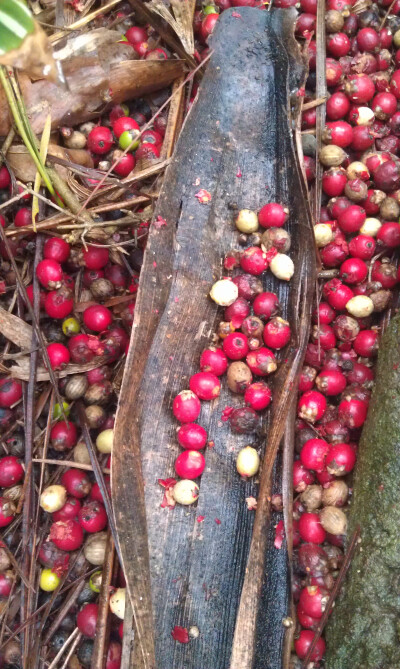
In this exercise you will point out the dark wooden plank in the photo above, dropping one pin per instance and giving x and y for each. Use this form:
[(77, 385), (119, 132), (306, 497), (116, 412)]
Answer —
[(239, 125)]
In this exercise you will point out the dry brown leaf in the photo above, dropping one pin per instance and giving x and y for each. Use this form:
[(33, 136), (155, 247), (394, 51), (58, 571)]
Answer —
[(15, 329), (181, 21)]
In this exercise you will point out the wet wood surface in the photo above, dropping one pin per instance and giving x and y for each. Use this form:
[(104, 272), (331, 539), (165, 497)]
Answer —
[(236, 144)]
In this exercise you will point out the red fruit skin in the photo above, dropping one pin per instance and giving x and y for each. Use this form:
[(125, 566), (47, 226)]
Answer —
[(258, 396), (337, 294), (66, 535), (58, 304), (237, 312), (69, 511), (306, 621), (266, 305), (366, 343), (79, 350), (235, 346), (341, 459), (191, 436), (353, 270), (362, 246), (92, 516), (303, 643), (338, 45), (313, 454), (389, 234), (254, 261), (311, 406), (10, 392), (360, 374), (214, 361), (11, 471), (86, 620), (351, 219), (97, 318), (276, 333), (57, 249), (23, 217), (125, 165), (136, 34), (261, 361), (208, 25), (190, 464), (368, 40), (323, 314), (324, 336), (310, 528), (186, 407), (339, 133), (5, 179), (312, 600), (302, 477), (76, 483), (100, 140), (337, 106), (63, 435), (331, 382), (49, 272), (273, 215), (205, 385), (385, 273), (359, 88), (334, 181), (352, 413), (95, 257), (58, 355), (114, 654), (147, 150)]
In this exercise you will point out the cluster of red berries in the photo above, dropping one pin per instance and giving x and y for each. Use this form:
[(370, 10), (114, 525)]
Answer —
[(246, 340)]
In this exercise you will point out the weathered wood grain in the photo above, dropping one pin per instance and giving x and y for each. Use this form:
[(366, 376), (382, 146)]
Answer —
[(236, 144)]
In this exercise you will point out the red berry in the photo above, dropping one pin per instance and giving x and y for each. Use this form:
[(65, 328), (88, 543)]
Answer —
[(68, 511), (235, 346), (254, 261), (389, 234), (114, 654), (310, 528), (307, 378), (359, 88), (276, 333), (57, 249), (333, 72), (331, 382), (192, 436), (311, 406), (353, 270), (63, 435), (306, 621), (11, 471), (313, 600), (351, 219), (97, 318), (147, 150), (190, 464), (10, 392), (339, 133), (95, 257), (266, 305), (337, 294), (214, 361), (237, 312), (360, 374), (59, 303), (59, 355), (302, 477), (100, 140), (362, 246), (366, 343), (384, 105), (5, 179), (352, 412), (324, 336), (208, 25), (341, 459), (248, 286), (66, 535), (49, 272), (261, 361), (76, 483), (186, 406), (86, 620), (92, 516), (323, 314), (273, 215), (334, 181), (303, 643), (258, 396), (125, 164), (337, 106), (368, 40), (385, 273), (136, 34), (23, 217), (205, 385), (79, 349), (313, 454), (338, 45)]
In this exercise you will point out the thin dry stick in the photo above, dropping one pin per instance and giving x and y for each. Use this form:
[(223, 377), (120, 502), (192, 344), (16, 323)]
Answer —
[(62, 650), (71, 651), (102, 626), (69, 463), (98, 475), (314, 103), (321, 92), (335, 591), (67, 605), (85, 20)]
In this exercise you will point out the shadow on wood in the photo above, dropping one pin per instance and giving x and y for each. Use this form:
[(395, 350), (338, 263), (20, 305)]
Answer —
[(237, 144)]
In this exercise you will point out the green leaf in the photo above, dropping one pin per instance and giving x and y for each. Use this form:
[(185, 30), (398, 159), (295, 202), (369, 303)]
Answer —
[(16, 22)]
